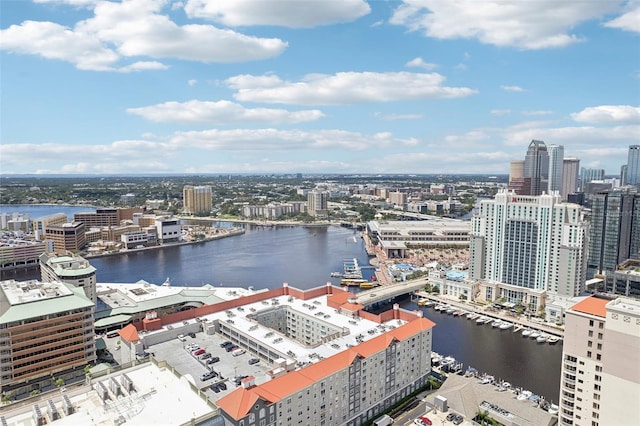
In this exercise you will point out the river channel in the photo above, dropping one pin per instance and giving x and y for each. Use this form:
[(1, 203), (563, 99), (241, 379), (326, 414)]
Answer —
[(304, 257)]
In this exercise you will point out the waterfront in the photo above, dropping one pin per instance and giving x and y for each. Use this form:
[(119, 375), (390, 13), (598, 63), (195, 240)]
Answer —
[(265, 257)]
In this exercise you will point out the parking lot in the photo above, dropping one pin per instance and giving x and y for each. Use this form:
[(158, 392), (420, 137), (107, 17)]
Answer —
[(177, 353)]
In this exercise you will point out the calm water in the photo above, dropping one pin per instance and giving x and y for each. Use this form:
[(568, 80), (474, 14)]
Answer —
[(304, 257)]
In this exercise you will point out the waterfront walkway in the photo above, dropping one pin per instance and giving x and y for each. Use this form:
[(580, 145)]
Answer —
[(519, 322)]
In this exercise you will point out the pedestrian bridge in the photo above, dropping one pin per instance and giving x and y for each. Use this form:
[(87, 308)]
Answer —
[(386, 292)]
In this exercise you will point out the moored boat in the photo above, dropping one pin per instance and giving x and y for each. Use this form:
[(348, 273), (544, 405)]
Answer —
[(542, 338), (480, 320), (553, 339), (526, 332), (534, 334), (505, 325), (336, 274)]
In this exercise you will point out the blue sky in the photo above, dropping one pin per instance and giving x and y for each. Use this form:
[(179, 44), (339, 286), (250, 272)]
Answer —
[(314, 86)]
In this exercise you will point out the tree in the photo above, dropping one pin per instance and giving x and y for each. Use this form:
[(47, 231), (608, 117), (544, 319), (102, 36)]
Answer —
[(35, 392), (59, 382)]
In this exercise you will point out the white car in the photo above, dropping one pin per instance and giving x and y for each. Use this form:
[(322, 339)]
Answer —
[(181, 337)]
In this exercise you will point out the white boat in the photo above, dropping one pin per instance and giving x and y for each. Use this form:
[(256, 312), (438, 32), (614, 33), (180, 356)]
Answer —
[(535, 334), (553, 409), (336, 274), (486, 379), (451, 310), (480, 320), (524, 395), (505, 325), (526, 332), (542, 338), (553, 339), (496, 323)]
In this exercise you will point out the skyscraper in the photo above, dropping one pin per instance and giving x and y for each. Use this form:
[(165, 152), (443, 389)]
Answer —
[(531, 244), (633, 166), (570, 173), (536, 167), (614, 235), (197, 199), (589, 175), (556, 156), (516, 177)]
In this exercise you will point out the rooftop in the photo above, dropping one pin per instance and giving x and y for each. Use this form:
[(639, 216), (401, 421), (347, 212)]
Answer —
[(17, 292), (592, 305)]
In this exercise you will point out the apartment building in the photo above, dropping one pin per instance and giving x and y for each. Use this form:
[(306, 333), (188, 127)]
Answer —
[(527, 245), (46, 333), (39, 225), (71, 269), (197, 199), (600, 381), (317, 203), (350, 387)]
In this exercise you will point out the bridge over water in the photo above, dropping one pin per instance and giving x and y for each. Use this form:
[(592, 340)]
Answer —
[(386, 292)]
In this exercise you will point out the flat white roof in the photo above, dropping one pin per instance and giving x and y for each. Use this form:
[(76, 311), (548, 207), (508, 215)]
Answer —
[(160, 398), (18, 292)]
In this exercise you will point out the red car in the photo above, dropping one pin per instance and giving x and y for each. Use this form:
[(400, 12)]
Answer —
[(199, 352), (425, 420)]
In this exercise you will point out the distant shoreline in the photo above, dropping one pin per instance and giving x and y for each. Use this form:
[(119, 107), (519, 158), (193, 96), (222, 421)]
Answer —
[(231, 233)]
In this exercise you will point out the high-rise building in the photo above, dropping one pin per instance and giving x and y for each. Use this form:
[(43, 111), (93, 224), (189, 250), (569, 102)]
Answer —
[(70, 269), (536, 167), (614, 234), (47, 333), (556, 157), (317, 203), (589, 175), (633, 166), (197, 199), (600, 380), (527, 245), (570, 174), (39, 225), (516, 178)]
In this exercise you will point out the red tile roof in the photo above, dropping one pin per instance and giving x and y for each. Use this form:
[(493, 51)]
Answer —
[(592, 305), (129, 333), (238, 403)]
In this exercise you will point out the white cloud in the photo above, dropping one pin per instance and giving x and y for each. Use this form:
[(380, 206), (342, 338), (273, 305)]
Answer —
[(393, 117), (522, 24), (537, 112), (274, 139), (285, 13), (512, 88), (192, 82), (220, 112), (420, 63), (134, 28), (344, 88), (629, 21), (500, 112), (608, 114)]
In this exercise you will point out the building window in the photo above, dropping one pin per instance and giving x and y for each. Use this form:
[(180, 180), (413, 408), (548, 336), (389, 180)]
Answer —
[(590, 323), (588, 354), (590, 333)]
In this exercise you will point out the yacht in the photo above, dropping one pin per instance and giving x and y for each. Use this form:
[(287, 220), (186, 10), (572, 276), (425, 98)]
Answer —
[(526, 332), (480, 320), (534, 334), (496, 323), (524, 395), (553, 409), (542, 338)]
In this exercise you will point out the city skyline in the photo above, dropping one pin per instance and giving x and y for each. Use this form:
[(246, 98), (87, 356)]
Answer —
[(418, 87)]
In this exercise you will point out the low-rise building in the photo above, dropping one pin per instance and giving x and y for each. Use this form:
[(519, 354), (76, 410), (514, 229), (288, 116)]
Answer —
[(17, 253)]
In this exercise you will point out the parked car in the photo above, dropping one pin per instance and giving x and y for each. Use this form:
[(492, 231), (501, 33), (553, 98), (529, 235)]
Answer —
[(181, 337), (199, 352), (222, 386), (451, 416), (225, 344), (253, 361), (208, 376), (213, 360), (457, 419), (231, 348), (425, 420), (214, 387), (239, 379), (193, 346), (205, 355)]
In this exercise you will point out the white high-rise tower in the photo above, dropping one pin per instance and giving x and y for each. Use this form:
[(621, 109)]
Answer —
[(556, 155)]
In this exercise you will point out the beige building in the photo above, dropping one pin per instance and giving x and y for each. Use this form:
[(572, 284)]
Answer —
[(600, 381), (46, 333), (197, 199), (70, 269), (39, 225), (66, 237)]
